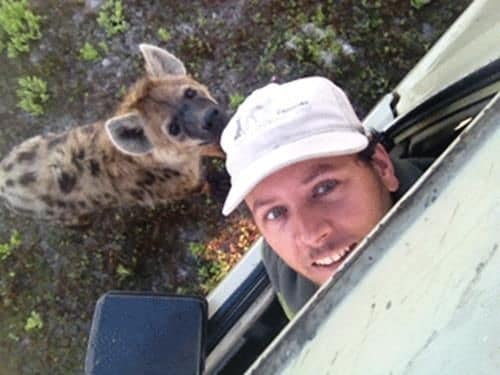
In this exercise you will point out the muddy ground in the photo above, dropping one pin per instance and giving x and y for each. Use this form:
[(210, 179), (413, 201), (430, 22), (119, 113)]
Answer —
[(53, 276)]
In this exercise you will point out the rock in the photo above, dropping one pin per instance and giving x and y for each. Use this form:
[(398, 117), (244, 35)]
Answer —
[(292, 44), (428, 31), (313, 31), (185, 29), (106, 62), (347, 49), (92, 6), (327, 58)]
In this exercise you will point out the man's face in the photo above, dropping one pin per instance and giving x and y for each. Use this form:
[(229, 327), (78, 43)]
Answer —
[(315, 212)]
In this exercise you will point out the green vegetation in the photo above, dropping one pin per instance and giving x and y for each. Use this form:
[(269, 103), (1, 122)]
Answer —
[(216, 257), (304, 38), (164, 35), (112, 18), (371, 3), (32, 94), (89, 53), (313, 44), (196, 46), (196, 249), (19, 25), (211, 269), (12, 336), (122, 91), (34, 322), (315, 41), (218, 164), (103, 46), (7, 248), (235, 100), (417, 4), (123, 272), (211, 273)]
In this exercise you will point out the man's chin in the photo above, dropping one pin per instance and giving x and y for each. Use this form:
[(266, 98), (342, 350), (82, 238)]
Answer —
[(320, 274)]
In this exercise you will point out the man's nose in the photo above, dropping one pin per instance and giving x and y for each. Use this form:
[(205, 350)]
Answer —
[(313, 229)]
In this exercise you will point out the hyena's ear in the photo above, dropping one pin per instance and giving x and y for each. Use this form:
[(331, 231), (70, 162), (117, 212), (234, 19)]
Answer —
[(127, 134), (160, 62)]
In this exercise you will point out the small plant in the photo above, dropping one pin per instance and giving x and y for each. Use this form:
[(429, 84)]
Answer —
[(7, 248), (211, 268), (19, 24), (112, 18), (212, 272), (122, 91), (12, 336), (89, 53), (218, 164), (417, 4), (34, 322), (216, 258), (193, 45), (371, 3), (314, 44), (123, 272), (32, 94), (196, 249), (103, 46), (164, 35), (235, 100)]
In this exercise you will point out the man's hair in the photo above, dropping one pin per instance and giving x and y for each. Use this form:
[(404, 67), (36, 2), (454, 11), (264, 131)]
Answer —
[(374, 138)]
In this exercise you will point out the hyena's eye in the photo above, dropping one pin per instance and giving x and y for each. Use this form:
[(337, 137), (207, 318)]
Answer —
[(190, 93)]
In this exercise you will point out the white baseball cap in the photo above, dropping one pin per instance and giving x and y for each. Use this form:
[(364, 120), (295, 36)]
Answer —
[(282, 124)]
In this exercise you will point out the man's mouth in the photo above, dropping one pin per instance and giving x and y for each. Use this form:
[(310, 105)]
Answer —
[(336, 258)]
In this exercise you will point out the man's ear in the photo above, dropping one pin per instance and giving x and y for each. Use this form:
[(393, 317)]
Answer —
[(382, 163), (160, 62), (127, 134)]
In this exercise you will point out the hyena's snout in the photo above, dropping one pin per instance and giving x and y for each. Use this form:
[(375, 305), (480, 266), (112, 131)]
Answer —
[(202, 119), (214, 122)]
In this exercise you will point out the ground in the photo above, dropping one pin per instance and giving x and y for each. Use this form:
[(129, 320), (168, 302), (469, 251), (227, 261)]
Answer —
[(51, 276)]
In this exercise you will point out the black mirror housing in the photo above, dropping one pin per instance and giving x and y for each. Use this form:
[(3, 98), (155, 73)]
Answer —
[(145, 333)]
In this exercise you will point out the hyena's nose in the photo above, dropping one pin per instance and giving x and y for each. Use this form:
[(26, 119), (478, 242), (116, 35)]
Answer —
[(215, 120)]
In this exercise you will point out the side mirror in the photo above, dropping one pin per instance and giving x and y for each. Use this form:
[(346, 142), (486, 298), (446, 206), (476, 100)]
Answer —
[(139, 333)]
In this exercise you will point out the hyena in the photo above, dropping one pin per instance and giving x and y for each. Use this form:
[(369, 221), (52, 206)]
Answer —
[(148, 153)]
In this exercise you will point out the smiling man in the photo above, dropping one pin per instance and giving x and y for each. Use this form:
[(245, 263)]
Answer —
[(315, 182)]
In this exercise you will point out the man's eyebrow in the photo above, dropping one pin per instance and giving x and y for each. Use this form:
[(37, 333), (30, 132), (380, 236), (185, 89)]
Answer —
[(261, 202), (317, 171)]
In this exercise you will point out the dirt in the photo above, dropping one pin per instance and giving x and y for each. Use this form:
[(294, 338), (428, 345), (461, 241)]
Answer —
[(233, 47)]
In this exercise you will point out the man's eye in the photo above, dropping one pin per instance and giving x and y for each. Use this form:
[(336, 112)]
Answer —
[(324, 187), (275, 213)]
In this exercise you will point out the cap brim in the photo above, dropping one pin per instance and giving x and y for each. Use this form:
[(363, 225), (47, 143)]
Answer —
[(316, 146)]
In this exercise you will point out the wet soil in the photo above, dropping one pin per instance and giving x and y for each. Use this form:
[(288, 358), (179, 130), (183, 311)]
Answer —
[(233, 47)]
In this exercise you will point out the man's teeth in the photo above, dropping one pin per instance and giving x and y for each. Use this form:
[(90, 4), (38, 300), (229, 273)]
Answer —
[(329, 260)]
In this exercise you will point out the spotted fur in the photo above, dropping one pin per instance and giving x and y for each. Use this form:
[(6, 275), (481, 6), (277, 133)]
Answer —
[(148, 153)]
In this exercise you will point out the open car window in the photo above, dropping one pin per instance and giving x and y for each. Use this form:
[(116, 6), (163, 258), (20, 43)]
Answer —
[(427, 138), (441, 102), (419, 295), (423, 134), (421, 130)]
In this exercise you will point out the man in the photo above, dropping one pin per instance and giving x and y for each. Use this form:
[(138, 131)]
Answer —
[(315, 182)]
